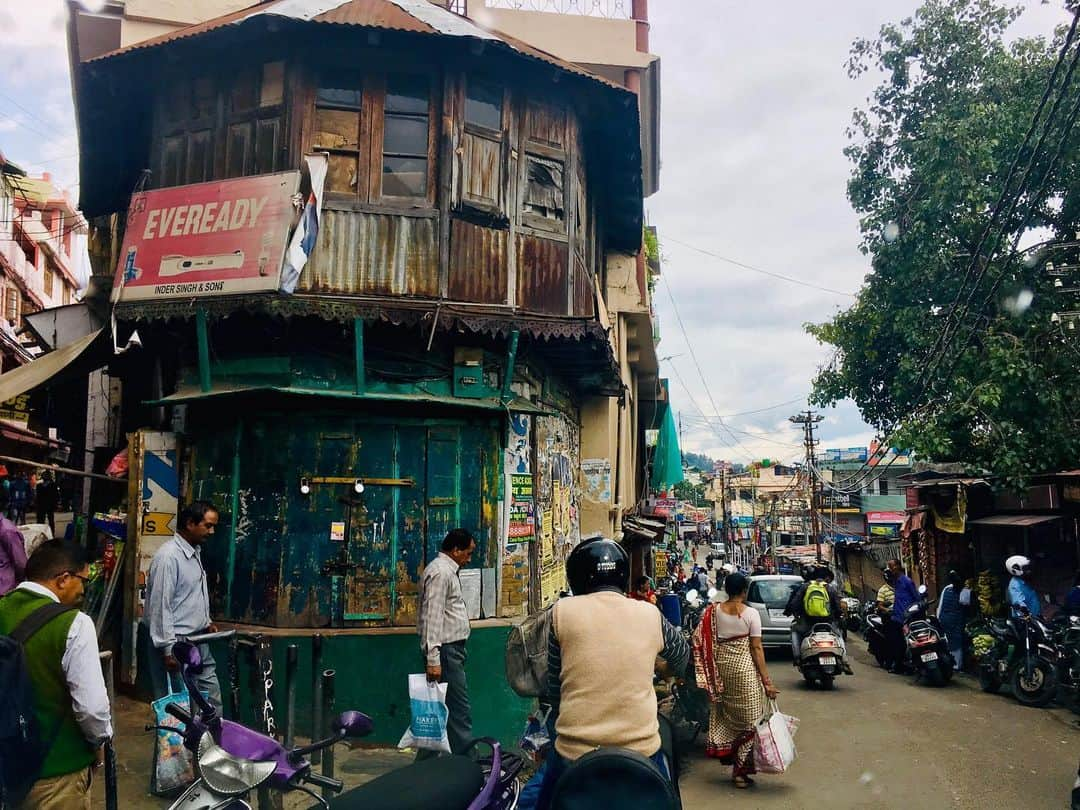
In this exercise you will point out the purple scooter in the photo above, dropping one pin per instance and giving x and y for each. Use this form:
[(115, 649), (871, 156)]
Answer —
[(232, 761)]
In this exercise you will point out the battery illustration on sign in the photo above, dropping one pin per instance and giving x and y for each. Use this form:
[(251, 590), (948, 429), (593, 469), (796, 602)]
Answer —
[(178, 265)]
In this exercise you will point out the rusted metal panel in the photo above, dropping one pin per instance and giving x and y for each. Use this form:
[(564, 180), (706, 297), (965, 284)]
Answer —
[(478, 263), (542, 274), (584, 296), (370, 254)]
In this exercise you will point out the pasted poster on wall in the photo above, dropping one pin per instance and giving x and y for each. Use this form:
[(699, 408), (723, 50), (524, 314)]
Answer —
[(596, 473), (522, 508)]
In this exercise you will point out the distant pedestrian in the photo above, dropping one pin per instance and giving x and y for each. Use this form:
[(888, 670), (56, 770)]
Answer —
[(951, 615), (178, 602), (729, 664), (643, 591), (70, 700), (443, 627), (905, 597), (19, 499), (12, 556), (46, 498)]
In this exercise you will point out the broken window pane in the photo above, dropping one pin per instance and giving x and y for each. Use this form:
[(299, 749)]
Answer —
[(343, 92), (404, 177), (544, 194)]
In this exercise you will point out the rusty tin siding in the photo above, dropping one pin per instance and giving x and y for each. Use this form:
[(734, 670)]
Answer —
[(542, 275), (478, 263), (584, 294), (374, 254)]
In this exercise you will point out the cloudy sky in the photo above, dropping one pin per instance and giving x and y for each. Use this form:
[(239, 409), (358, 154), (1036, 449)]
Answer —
[(755, 103)]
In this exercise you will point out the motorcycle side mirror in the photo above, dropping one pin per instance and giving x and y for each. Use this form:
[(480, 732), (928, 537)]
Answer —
[(353, 724), (188, 656), (923, 590)]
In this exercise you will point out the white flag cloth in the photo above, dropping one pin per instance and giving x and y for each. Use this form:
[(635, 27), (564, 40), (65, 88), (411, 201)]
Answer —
[(307, 229)]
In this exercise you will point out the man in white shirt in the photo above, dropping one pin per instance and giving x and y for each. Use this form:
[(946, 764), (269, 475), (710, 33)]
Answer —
[(62, 662)]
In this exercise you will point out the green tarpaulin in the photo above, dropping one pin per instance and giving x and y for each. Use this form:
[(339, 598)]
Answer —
[(667, 462)]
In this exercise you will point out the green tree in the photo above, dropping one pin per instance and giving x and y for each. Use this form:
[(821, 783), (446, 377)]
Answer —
[(694, 493), (931, 152)]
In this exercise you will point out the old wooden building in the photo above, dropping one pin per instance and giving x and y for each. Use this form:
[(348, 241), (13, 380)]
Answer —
[(445, 332)]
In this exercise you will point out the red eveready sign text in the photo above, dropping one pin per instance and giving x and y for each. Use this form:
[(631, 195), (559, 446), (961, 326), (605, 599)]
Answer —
[(219, 238)]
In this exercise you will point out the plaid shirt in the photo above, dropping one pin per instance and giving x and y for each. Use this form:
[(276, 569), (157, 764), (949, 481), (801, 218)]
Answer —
[(444, 617)]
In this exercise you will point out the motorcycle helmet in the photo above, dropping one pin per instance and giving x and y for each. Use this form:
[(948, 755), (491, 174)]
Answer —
[(598, 563), (729, 568), (1018, 565)]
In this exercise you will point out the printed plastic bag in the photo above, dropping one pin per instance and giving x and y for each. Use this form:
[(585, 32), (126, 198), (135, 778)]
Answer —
[(427, 702), (536, 740), (173, 766), (774, 741)]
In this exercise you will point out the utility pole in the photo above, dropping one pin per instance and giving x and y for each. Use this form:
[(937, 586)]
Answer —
[(809, 419)]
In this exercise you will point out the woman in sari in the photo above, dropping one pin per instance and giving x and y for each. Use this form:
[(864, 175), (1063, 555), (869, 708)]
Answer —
[(729, 664)]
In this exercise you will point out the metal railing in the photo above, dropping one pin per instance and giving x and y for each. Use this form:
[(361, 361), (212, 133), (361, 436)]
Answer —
[(608, 9)]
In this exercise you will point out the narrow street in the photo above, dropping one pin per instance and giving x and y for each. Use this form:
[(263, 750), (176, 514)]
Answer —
[(880, 741)]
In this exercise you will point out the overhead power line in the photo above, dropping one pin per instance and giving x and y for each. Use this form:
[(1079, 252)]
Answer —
[(753, 269)]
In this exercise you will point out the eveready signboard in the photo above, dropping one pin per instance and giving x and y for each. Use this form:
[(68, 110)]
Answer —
[(218, 238)]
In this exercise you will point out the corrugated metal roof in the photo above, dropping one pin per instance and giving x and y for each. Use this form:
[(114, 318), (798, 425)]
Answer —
[(417, 16)]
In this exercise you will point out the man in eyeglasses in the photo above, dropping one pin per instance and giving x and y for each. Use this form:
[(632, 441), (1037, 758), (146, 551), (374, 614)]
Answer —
[(61, 665), (178, 602)]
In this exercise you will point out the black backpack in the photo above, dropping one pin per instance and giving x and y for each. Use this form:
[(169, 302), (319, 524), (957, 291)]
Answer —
[(22, 747)]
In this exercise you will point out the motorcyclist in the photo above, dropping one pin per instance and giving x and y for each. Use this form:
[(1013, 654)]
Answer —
[(1020, 594), (802, 624), (601, 654)]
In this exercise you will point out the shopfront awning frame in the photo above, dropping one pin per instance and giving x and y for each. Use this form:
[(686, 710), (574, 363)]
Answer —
[(1014, 521), (40, 371)]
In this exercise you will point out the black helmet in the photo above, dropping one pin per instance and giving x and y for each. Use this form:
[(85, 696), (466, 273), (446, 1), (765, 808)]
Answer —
[(598, 563)]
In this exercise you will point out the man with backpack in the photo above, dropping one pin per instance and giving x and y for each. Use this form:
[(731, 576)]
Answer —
[(813, 602), (54, 708)]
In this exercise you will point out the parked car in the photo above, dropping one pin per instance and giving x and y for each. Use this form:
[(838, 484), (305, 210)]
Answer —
[(768, 595), (719, 549)]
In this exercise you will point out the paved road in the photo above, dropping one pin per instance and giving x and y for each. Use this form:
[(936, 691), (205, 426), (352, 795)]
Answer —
[(879, 741)]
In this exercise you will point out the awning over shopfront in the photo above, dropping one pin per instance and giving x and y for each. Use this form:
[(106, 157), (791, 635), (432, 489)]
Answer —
[(185, 395), (1015, 521), (40, 371)]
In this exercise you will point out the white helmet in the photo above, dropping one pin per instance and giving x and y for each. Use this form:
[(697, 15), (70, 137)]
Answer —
[(1018, 565), (729, 568)]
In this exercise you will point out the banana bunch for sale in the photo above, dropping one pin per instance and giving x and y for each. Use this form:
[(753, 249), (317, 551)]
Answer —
[(981, 645), (989, 594)]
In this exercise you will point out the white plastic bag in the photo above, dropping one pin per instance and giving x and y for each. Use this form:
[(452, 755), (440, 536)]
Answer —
[(774, 741), (427, 703)]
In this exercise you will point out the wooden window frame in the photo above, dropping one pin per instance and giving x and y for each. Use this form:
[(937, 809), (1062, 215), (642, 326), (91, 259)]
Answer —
[(543, 151), (371, 141), (501, 136), (173, 137), (378, 141)]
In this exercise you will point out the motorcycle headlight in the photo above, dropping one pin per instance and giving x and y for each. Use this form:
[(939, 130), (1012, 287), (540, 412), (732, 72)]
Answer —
[(227, 774)]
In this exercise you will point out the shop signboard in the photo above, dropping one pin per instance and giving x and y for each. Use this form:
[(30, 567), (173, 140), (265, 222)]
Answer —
[(16, 409), (883, 530), (885, 517), (834, 499), (837, 455), (219, 238), (744, 521)]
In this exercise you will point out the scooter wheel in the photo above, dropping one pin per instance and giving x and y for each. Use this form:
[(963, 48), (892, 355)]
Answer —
[(827, 682), (1040, 689)]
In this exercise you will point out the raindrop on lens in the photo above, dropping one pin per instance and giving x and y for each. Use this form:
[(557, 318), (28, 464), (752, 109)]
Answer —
[(891, 232)]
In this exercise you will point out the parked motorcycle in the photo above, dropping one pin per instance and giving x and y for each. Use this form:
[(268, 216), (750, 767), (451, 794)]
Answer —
[(1024, 656), (693, 606), (853, 613), (1065, 632), (876, 641), (927, 644), (821, 655), (232, 761)]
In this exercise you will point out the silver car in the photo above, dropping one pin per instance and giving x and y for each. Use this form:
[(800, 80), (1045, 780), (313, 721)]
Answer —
[(768, 594)]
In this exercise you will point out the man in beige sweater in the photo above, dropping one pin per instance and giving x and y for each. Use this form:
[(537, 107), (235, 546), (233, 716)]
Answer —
[(601, 655)]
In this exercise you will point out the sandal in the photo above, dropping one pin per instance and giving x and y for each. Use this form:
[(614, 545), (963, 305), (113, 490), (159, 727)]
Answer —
[(742, 782)]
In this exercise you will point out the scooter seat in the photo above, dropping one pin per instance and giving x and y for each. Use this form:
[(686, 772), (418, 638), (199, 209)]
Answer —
[(614, 777), (448, 783)]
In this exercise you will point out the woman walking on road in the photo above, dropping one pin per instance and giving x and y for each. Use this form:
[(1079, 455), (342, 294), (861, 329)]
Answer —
[(729, 663)]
